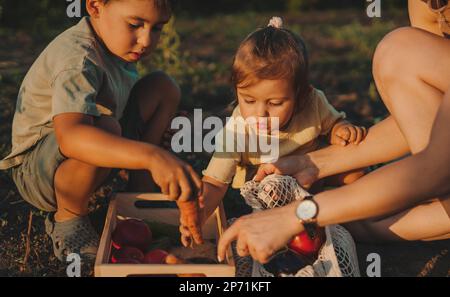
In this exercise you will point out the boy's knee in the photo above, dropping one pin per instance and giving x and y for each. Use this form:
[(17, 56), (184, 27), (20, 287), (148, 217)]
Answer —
[(95, 175), (109, 124), (161, 83)]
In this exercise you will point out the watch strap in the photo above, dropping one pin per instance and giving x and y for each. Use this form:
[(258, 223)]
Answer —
[(311, 225)]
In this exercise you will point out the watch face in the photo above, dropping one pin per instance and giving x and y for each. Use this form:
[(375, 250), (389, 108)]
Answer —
[(306, 210)]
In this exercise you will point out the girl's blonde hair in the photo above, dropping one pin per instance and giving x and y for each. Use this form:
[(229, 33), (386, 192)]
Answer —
[(273, 53)]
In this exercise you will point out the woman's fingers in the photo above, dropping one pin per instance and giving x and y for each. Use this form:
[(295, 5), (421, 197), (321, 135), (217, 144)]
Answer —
[(241, 247), (253, 253), (245, 248), (226, 239)]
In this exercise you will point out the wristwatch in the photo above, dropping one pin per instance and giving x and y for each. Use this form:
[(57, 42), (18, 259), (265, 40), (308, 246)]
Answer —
[(307, 211)]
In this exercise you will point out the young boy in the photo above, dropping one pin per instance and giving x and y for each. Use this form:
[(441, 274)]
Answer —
[(82, 111)]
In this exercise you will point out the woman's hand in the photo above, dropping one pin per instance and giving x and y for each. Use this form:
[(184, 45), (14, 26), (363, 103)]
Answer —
[(261, 234), (301, 167), (344, 133)]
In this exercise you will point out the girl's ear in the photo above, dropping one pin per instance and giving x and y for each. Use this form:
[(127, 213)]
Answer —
[(94, 7)]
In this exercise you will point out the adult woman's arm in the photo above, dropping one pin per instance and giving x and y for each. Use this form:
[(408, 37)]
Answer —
[(384, 142), (397, 186), (390, 189)]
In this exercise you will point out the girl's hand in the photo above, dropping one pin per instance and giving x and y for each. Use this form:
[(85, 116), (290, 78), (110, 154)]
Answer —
[(344, 133), (301, 167)]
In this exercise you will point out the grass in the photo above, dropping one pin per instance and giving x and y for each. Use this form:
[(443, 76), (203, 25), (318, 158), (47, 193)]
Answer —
[(341, 45)]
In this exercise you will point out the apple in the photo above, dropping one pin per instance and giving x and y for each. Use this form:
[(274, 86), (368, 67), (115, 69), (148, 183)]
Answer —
[(304, 245), (127, 252), (132, 233), (156, 256)]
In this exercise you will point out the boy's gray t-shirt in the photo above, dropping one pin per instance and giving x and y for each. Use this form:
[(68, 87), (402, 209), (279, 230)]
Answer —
[(75, 73)]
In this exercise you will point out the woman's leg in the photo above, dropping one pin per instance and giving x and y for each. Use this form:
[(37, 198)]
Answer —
[(411, 68), (158, 97), (428, 221), (412, 72)]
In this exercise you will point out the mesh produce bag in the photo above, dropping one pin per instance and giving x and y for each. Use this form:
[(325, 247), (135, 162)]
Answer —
[(273, 191), (244, 265), (337, 257)]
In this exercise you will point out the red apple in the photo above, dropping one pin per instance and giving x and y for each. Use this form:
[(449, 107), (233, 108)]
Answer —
[(132, 232), (304, 245), (157, 256), (127, 252)]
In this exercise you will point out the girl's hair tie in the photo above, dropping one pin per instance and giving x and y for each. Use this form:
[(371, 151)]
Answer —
[(276, 22)]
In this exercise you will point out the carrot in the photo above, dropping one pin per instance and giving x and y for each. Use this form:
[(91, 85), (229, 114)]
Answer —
[(172, 259), (190, 217)]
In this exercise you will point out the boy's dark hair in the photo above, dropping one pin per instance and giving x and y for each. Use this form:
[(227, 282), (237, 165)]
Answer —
[(273, 53), (164, 5)]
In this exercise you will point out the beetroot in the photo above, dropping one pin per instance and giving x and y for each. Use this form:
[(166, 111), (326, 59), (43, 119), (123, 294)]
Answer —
[(132, 233), (157, 256), (127, 261), (127, 252)]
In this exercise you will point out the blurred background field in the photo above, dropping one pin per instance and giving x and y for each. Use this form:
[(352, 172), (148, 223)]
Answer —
[(197, 48)]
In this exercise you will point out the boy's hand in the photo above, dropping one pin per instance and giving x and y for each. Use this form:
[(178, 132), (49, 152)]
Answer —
[(344, 133), (175, 178)]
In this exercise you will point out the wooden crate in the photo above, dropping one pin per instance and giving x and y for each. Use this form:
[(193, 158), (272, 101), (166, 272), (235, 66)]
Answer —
[(126, 205)]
